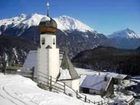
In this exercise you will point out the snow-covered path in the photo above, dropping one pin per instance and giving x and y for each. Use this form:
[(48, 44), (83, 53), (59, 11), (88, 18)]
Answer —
[(8, 94), (17, 90)]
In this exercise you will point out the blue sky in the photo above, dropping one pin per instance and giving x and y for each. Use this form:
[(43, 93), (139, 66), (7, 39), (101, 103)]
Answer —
[(105, 16)]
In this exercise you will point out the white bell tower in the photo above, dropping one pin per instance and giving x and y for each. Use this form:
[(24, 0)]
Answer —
[(48, 54)]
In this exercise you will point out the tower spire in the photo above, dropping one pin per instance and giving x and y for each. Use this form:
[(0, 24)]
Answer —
[(48, 7)]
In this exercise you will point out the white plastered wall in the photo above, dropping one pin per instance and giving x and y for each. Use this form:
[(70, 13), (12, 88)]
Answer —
[(53, 56), (75, 84), (48, 62), (49, 40), (42, 65), (48, 57)]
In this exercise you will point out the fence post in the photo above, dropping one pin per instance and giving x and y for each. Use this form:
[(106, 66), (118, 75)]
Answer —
[(77, 94), (33, 71), (50, 87), (64, 88), (4, 67), (85, 98), (101, 103)]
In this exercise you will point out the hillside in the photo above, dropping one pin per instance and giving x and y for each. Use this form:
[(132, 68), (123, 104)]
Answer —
[(18, 90), (110, 59), (14, 50)]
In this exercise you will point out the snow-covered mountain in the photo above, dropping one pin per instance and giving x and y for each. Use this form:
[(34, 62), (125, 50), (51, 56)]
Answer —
[(21, 20), (126, 38), (71, 34), (126, 33), (69, 23), (64, 22)]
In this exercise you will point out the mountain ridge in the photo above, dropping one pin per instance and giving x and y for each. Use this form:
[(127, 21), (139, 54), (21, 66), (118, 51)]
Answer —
[(125, 34), (125, 39), (68, 23), (71, 34), (64, 22)]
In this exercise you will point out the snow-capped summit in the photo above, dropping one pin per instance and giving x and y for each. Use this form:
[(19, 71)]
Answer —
[(69, 23), (33, 20), (126, 33), (23, 15), (13, 21), (23, 20), (64, 22)]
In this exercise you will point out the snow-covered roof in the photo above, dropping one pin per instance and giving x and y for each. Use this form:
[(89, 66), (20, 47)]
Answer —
[(123, 99), (94, 98), (108, 74), (31, 60), (115, 75), (45, 19), (67, 70), (67, 65), (64, 74), (96, 82)]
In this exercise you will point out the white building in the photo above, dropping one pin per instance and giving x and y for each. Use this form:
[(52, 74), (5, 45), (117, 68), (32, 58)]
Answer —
[(48, 54), (123, 100), (97, 84), (48, 59), (68, 74)]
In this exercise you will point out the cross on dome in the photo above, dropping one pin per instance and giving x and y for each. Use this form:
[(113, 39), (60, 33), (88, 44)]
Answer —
[(48, 25), (48, 7)]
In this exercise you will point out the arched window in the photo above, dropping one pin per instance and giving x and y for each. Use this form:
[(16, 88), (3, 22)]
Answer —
[(54, 41), (43, 41)]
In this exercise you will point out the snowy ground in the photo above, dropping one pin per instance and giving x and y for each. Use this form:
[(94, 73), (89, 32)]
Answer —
[(18, 90), (95, 98), (137, 102)]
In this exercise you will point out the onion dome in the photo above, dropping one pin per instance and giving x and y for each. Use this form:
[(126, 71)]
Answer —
[(47, 26)]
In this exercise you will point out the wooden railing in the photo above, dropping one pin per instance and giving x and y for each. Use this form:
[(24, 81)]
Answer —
[(50, 83), (26, 73)]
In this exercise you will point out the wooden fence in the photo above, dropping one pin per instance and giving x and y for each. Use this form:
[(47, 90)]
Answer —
[(49, 83), (27, 73)]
